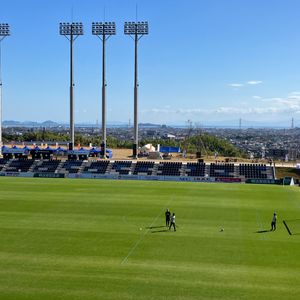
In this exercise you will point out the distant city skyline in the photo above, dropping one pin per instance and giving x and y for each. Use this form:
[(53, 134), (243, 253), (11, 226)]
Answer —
[(210, 62), (244, 124)]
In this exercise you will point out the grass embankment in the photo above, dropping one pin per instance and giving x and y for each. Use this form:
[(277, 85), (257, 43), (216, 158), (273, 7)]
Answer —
[(282, 172)]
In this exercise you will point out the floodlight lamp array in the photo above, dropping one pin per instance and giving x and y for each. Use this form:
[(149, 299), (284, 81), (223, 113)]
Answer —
[(75, 28), (136, 28), (4, 29), (103, 28)]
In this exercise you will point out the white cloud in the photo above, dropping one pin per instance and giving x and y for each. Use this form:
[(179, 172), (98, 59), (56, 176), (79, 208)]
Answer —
[(226, 110), (254, 82), (247, 110), (276, 106), (235, 85), (292, 101), (256, 97), (251, 82), (180, 111)]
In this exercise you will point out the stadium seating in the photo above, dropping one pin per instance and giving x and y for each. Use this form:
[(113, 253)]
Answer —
[(122, 167), (253, 171), (47, 166), (97, 167), (221, 170), (169, 168), (72, 166), (143, 168), (2, 163), (19, 165), (146, 168), (195, 169)]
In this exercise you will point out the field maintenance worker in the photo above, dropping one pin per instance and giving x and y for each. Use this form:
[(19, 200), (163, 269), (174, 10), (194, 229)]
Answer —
[(168, 216), (273, 223), (172, 222)]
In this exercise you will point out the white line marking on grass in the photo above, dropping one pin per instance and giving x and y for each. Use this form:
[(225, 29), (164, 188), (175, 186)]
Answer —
[(142, 237)]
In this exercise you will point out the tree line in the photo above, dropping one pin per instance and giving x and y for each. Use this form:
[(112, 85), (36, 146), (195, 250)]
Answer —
[(203, 143)]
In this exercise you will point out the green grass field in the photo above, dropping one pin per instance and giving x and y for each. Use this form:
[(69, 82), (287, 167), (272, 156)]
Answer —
[(81, 239)]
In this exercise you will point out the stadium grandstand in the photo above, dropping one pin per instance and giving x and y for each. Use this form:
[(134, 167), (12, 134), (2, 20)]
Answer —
[(131, 169)]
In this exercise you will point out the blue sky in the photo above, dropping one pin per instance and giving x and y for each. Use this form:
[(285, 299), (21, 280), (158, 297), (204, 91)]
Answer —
[(211, 62)]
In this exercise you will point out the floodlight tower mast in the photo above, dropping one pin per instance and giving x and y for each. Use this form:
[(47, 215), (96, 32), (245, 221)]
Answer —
[(71, 31), (4, 32), (136, 30), (103, 30)]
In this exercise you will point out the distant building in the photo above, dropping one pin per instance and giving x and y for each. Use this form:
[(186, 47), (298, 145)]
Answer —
[(277, 153), (293, 154), (170, 136)]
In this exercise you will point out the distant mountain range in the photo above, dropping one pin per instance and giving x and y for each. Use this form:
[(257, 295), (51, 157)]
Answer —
[(49, 123)]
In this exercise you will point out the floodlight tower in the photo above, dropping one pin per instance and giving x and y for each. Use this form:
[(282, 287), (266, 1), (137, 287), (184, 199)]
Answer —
[(136, 30), (4, 32), (71, 31), (103, 30)]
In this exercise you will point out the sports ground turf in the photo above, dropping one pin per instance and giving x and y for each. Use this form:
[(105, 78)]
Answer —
[(101, 239)]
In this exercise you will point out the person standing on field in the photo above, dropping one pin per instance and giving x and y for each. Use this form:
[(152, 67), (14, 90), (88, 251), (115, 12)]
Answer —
[(173, 222), (168, 216), (273, 223)]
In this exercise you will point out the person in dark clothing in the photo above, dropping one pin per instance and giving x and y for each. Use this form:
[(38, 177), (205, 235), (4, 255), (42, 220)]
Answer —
[(273, 223), (172, 222), (168, 216)]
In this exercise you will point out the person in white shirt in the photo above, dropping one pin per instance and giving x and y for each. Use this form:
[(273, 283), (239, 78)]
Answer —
[(273, 223), (173, 222)]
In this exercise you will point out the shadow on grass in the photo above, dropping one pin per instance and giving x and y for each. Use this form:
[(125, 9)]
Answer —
[(263, 231), (153, 227), (157, 231)]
